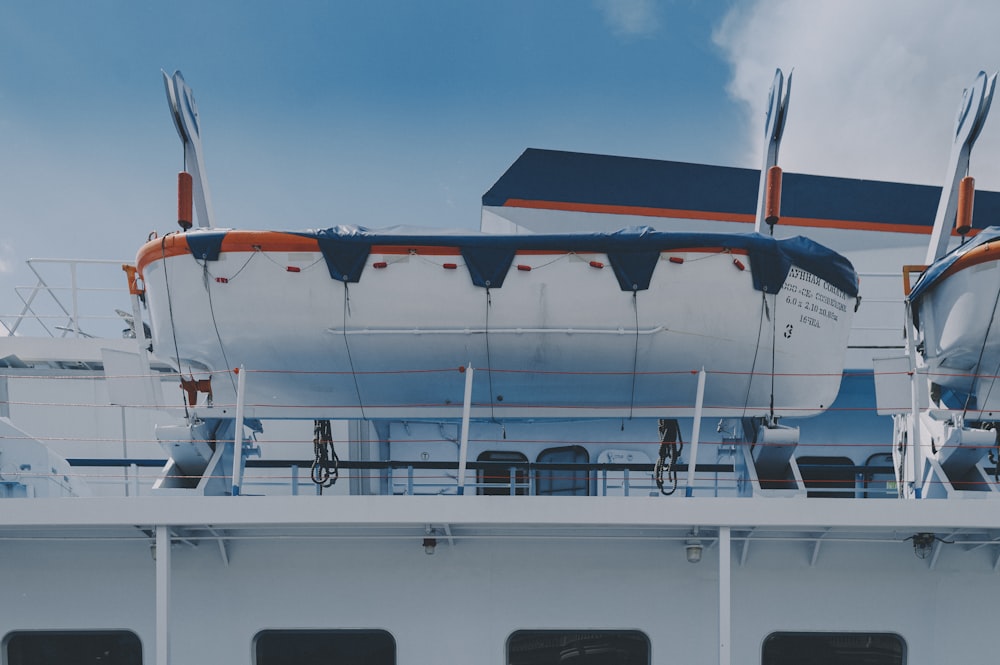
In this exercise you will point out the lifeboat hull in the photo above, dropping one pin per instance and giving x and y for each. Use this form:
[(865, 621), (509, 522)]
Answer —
[(956, 312), (554, 333)]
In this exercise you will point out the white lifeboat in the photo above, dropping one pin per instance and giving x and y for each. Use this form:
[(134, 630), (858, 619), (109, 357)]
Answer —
[(955, 307), (351, 323)]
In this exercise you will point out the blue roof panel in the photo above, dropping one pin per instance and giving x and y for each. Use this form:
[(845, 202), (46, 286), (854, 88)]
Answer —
[(601, 180)]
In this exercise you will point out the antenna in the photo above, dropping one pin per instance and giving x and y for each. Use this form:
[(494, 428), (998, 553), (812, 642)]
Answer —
[(184, 111), (968, 124), (769, 193)]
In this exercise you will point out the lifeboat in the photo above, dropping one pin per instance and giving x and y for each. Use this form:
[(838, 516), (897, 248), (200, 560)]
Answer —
[(352, 323), (954, 307)]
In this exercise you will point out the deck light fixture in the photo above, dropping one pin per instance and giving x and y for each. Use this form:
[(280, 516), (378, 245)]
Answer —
[(693, 549), (923, 543)]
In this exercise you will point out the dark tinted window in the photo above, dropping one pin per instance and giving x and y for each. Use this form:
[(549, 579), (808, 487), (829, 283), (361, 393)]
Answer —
[(823, 476), (324, 647), (833, 649), (562, 480), (880, 477), (578, 647), (91, 647), (497, 469)]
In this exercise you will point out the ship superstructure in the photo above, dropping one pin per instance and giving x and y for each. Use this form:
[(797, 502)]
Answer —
[(554, 441)]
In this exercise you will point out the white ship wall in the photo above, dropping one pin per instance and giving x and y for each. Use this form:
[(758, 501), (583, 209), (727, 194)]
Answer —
[(462, 603)]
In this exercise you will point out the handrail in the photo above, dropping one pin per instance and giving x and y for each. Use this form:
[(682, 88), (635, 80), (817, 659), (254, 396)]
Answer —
[(907, 271), (63, 298), (513, 469)]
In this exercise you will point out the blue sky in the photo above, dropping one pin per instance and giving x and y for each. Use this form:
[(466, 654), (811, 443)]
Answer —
[(387, 112), (317, 113)]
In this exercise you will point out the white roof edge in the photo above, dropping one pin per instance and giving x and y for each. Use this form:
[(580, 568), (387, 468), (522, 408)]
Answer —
[(237, 512)]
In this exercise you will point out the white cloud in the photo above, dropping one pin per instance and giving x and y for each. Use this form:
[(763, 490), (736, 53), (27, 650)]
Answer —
[(876, 85), (630, 18), (6, 258)]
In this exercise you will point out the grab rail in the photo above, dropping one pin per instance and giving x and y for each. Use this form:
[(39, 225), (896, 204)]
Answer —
[(56, 307)]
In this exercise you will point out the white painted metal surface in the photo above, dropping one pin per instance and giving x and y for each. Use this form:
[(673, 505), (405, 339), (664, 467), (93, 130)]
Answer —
[(162, 556), (552, 341), (959, 327), (279, 557)]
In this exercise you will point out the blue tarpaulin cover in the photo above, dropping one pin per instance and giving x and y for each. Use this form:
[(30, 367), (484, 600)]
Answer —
[(632, 252)]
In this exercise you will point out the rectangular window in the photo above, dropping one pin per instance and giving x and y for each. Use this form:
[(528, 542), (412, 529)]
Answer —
[(828, 477), (555, 475), (324, 647), (496, 470), (880, 477), (833, 649), (578, 647), (78, 647)]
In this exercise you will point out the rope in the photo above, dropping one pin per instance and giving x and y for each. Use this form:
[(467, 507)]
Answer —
[(347, 347), (170, 311), (671, 445), (215, 324), (326, 465), (756, 349)]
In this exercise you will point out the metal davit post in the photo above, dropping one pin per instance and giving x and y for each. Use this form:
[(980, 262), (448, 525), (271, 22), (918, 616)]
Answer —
[(725, 597), (770, 174), (184, 111), (913, 432), (695, 432), (972, 113), (463, 450), (238, 427), (161, 554)]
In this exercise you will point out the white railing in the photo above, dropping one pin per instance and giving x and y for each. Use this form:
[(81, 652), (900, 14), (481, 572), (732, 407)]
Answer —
[(65, 296), (879, 320)]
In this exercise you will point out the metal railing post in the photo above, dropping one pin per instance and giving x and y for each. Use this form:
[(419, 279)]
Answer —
[(463, 449), (162, 554), (238, 435), (695, 432)]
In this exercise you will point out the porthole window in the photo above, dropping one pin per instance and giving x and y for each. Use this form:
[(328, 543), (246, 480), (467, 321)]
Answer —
[(324, 647), (578, 647), (79, 647), (833, 649)]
